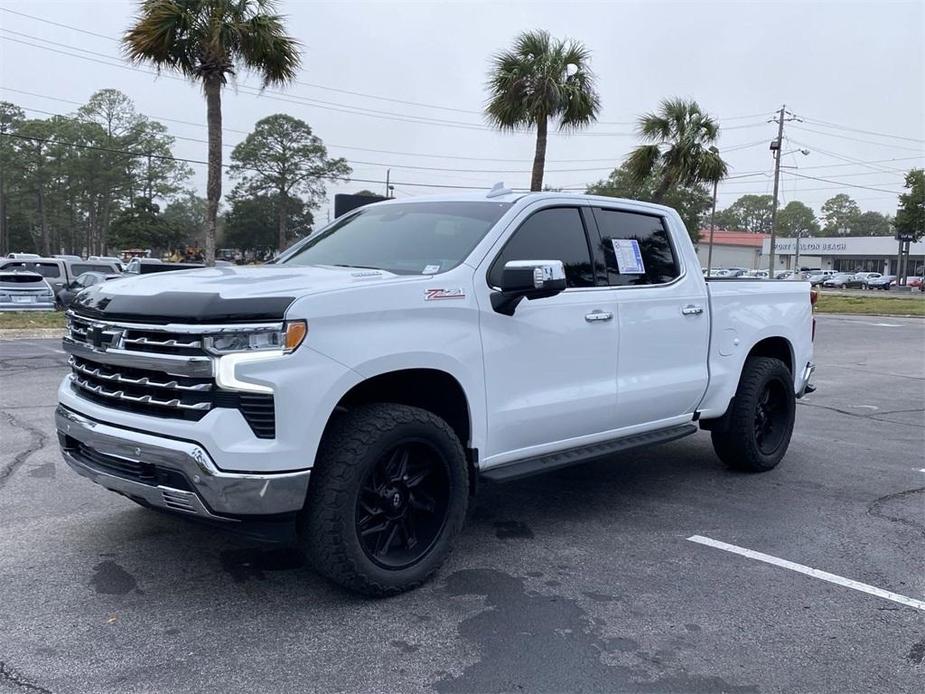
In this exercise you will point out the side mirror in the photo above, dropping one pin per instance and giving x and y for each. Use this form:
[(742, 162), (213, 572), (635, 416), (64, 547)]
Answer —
[(527, 279)]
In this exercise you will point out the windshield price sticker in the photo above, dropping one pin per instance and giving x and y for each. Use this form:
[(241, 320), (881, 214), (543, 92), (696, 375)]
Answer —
[(629, 257), (431, 269)]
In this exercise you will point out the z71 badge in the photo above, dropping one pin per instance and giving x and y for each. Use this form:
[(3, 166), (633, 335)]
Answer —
[(437, 294)]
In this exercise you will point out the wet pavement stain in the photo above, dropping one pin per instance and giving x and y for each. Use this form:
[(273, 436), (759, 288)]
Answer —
[(513, 529), (917, 653), (545, 643), (404, 646), (46, 471), (600, 597), (253, 562), (112, 579)]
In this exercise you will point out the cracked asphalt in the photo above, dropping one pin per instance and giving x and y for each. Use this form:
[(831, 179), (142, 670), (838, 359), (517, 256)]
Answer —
[(578, 581)]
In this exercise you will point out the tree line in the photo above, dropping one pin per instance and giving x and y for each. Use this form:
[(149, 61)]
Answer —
[(106, 179)]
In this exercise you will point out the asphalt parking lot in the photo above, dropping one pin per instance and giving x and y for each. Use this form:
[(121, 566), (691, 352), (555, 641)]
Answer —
[(581, 580)]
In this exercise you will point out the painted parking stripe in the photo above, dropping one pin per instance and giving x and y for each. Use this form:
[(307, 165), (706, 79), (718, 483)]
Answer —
[(809, 571)]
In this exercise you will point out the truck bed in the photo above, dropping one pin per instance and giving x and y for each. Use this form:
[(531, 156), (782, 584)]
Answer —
[(742, 313)]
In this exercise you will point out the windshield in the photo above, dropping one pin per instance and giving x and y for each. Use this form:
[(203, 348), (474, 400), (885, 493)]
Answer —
[(407, 239)]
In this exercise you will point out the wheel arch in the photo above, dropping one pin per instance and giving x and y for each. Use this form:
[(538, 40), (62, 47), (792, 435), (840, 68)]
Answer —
[(431, 389), (775, 347)]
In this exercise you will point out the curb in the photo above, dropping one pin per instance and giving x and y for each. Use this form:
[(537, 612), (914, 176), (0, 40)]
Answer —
[(870, 315), (30, 333)]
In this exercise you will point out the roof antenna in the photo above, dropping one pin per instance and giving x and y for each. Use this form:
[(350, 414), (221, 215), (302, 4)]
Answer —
[(498, 190)]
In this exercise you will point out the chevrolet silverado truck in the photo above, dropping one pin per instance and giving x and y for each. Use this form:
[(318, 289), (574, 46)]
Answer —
[(357, 390)]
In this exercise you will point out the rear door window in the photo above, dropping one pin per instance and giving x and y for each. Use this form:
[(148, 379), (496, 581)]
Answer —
[(552, 234), (44, 269), (636, 248), (80, 268)]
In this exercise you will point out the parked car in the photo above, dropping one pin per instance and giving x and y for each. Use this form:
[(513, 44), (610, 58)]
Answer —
[(146, 266), (109, 259), (63, 256), (914, 281), (867, 275), (356, 389), (783, 274), (58, 272), (843, 280), (87, 279), (756, 274), (816, 279), (25, 291), (23, 256), (882, 282)]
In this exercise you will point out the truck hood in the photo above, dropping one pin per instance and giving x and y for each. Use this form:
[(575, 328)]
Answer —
[(219, 294)]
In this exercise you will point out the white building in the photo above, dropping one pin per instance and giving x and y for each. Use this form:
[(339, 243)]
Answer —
[(731, 249), (845, 253)]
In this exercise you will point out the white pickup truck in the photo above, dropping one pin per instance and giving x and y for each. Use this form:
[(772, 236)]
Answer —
[(357, 390)]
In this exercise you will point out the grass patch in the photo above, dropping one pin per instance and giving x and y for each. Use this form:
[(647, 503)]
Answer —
[(870, 305), (31, 320)]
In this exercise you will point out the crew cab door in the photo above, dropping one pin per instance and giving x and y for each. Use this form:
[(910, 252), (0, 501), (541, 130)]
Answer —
[(660, 301), (550, 368)]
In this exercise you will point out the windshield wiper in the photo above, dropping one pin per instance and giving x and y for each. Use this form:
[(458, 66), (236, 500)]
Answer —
[(361, 267)]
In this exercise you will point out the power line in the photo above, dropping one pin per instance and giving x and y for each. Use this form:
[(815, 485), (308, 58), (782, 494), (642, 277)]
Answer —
[(856, 139), (829, 124), (841, 183), (380, 164), (205, 163), (58, 24), (291, 98), (359, 149)]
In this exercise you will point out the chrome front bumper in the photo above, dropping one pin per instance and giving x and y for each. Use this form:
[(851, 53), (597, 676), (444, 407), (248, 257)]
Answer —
[(805, 385), (137, 465)]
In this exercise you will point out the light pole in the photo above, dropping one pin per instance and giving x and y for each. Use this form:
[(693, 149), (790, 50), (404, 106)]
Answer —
[(712, 228), (796, 256)]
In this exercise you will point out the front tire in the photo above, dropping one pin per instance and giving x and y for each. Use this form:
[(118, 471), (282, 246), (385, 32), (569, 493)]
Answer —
[(387, 497), (760, 422)]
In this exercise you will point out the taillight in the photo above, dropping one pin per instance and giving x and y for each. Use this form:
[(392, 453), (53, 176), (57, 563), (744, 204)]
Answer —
[(813, 297)]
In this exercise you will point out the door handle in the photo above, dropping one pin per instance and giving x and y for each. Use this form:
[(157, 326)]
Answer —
[(598, 316), (692, 310)]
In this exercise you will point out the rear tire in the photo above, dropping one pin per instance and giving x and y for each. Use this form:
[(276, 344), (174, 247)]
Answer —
[(760, 422), (387, 497)]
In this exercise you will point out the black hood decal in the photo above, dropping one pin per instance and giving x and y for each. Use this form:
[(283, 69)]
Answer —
[(179, 307)]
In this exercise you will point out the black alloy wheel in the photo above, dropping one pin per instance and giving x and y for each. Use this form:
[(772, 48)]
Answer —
[(771, 417), (403, 504)]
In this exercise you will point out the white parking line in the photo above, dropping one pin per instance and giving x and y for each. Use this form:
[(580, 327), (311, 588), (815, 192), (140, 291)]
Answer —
[(809, 571)]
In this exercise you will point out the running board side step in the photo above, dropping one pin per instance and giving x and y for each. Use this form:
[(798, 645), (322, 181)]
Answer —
[(582, 454)]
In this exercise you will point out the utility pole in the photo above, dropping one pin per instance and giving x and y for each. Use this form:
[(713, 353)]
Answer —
[(712, 228), (149, 191), (777, 148), (388, 173)]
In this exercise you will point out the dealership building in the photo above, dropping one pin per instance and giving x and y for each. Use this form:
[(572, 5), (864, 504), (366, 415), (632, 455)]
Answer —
[(841, 253)]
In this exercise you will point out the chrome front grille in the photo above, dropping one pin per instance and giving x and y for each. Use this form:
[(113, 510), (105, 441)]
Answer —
[(99, 372), (161, 371), (147, 339)]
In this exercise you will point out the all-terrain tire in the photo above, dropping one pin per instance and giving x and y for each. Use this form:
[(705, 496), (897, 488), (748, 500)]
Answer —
[(760, 421), (350, 453)]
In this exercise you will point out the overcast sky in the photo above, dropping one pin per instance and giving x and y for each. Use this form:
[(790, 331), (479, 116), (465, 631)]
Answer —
[(843, 67)]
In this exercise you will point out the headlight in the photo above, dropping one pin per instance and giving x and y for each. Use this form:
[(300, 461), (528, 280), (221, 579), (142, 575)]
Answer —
[(258, 340)]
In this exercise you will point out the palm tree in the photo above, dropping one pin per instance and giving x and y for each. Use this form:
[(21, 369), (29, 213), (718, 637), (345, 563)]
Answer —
[(539, 79), (206, 41), (681, 149)]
